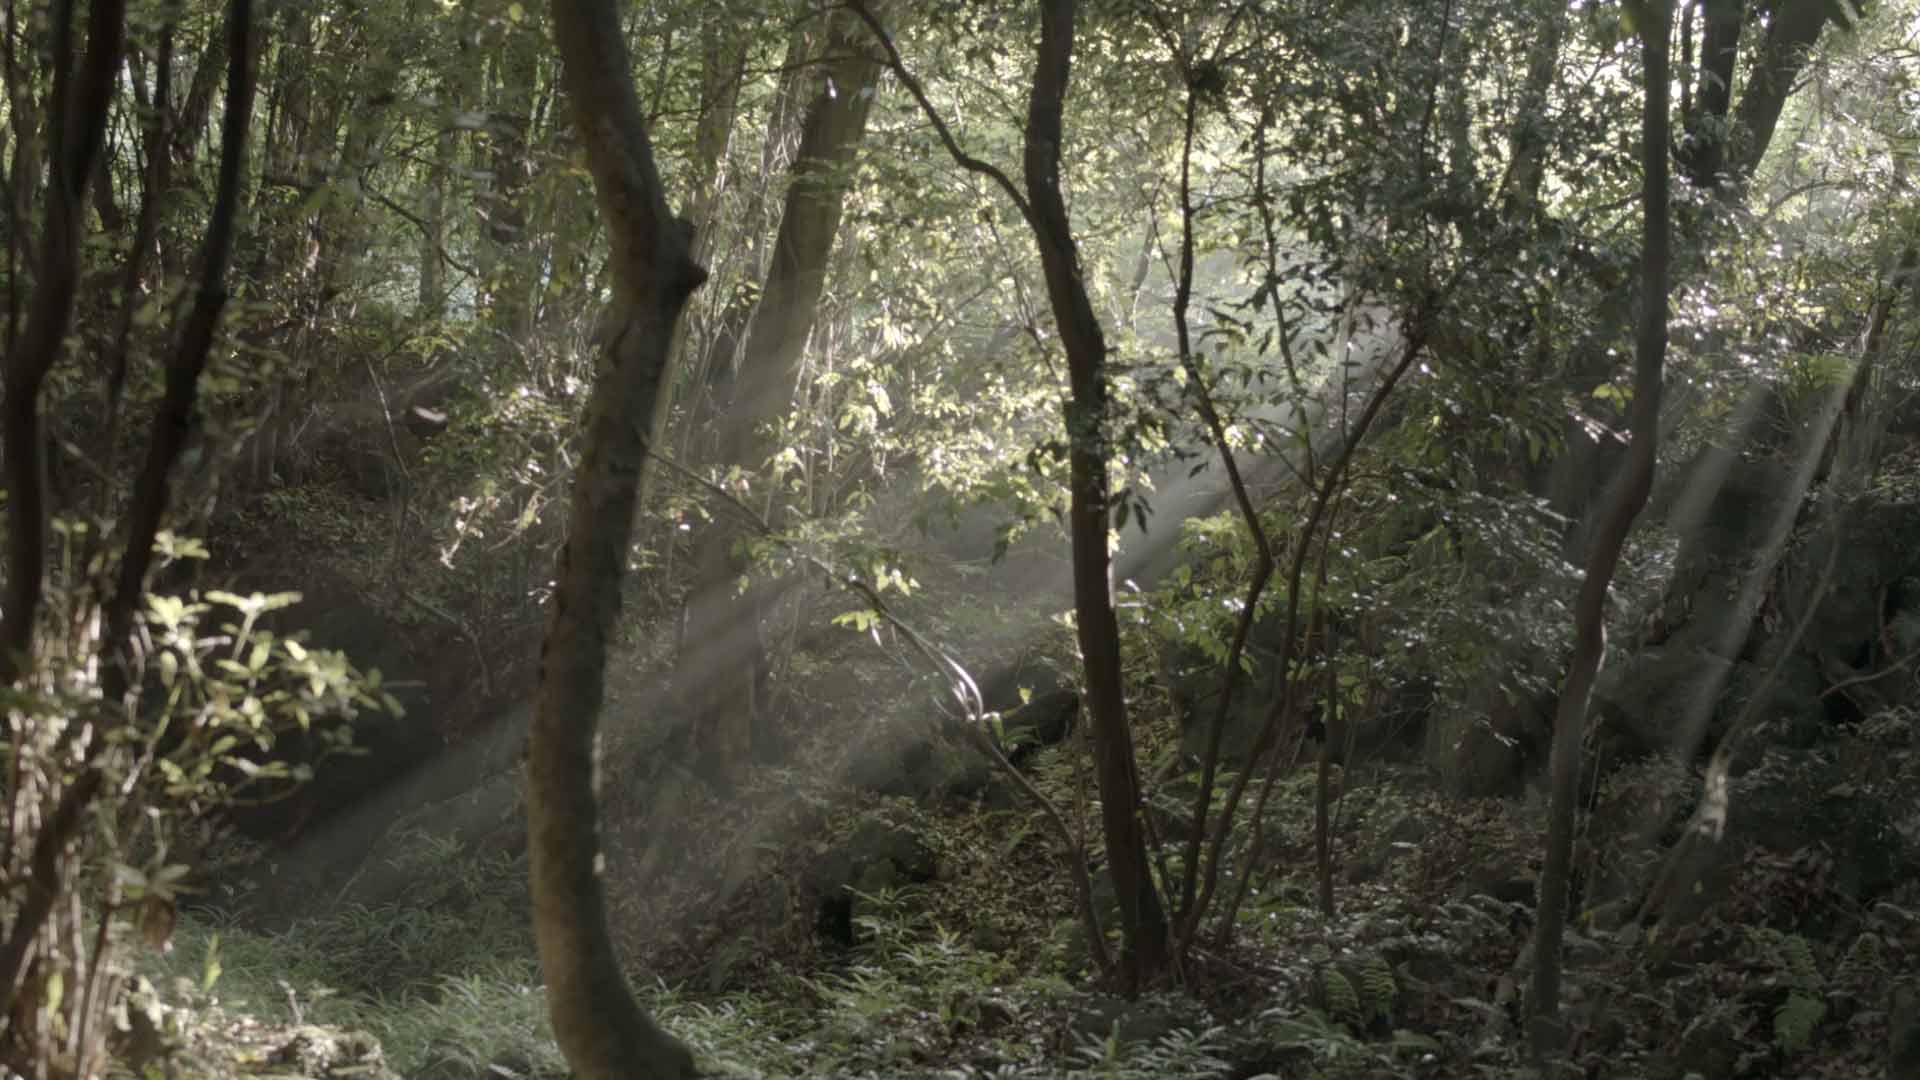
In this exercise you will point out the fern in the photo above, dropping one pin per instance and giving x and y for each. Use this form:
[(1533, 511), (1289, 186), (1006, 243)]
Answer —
[(1343, 1001), (1791, 956), (1865, 965), (1800, 963), (1374, 979), (1794, 1022)]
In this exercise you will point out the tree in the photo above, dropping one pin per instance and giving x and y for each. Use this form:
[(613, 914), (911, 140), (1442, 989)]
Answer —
[(76, 129), (729, 715), (1724, 142), (1143, 922), (72, 774), (1612, 527), (600, 1026)]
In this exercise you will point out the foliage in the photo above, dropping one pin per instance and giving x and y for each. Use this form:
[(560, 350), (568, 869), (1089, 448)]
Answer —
[(1793, 967), (392, 406), (232, 714)]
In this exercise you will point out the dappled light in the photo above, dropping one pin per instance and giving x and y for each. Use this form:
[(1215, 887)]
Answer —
[(898, 539)]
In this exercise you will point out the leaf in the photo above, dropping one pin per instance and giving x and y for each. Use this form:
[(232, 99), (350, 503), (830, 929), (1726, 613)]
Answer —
[(56, 991), (861, 620), (210, 969)]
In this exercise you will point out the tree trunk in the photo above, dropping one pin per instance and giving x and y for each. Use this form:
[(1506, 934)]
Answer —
[(600, 1027), (1794, 28), (1527, 145), (1610, 536), (1703, 153), (431, 300), (1143, 922), (76, 130), (506, 275), (723, 671)]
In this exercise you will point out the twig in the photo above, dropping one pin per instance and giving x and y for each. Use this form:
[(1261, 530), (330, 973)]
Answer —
[(1871, 676), (426, 230)]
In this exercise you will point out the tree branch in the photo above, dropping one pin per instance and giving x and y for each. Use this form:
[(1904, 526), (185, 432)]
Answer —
[(961, 157)]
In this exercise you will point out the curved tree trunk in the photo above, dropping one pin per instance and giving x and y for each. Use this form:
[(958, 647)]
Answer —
[(598, 1023), (1776, 63), (1610, 536)]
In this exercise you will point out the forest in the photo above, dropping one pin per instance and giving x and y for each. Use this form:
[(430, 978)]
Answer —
[(948, 538)]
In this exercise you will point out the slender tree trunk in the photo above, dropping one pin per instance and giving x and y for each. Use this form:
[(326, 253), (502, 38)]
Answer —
[(508, 283), (1143, 921), (189, 125), (599, 1025), (431, 300), (1794, 28), (1611, 529), (76, 128)]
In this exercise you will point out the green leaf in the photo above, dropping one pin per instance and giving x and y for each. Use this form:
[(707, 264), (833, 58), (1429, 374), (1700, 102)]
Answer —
[(210, 968)]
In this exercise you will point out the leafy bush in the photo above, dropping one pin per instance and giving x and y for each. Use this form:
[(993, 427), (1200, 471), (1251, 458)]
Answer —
[(117, 764)]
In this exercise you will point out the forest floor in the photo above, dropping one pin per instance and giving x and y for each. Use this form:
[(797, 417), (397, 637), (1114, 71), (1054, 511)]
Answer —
[(965, 958), (977, 973)]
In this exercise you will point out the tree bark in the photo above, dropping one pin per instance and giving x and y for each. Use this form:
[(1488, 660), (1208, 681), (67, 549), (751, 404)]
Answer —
[(171, 427), (76, 129), (1143, 921), (1703, 154), (1527, 145), (174, 422), (1794, 28), (505, 243), (729, 713), (1629, 494), (600, 1027)]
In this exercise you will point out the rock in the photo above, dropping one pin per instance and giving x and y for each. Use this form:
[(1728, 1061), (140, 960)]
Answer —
[(1797, 800), (1708, 1048), (446, 1061), (1399, 838), (1041, 722), (906, 758), (1193, 682), (877, 857), (325, 1053)]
